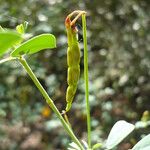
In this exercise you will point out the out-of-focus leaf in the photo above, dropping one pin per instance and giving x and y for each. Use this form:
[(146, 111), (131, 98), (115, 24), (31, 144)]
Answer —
[(35, 45), (8, 39), (143, 144), (85, 144), (73, 146), (119, 131), (20, 28), (96, 146), (142, 124)]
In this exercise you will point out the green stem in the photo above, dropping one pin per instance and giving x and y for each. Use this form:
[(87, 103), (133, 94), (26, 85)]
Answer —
[(86, 79), (6, 59), (49, 101)]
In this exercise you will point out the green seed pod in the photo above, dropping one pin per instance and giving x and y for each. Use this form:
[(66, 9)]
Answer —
[(73, 62), (73, 55), (70, 93), (73, 75)]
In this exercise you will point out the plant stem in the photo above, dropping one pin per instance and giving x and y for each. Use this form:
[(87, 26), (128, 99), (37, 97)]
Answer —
[(86, 78), (6, 59), (49, 101)]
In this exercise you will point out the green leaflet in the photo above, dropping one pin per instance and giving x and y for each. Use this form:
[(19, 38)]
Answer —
[(35, 45), (8, 39)]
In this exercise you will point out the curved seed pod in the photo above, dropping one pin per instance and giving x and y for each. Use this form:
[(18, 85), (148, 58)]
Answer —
[(73, 62), (70, 93), (73, 75), (73, 55)]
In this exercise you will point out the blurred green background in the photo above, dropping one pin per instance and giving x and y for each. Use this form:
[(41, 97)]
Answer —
[(119, 70)]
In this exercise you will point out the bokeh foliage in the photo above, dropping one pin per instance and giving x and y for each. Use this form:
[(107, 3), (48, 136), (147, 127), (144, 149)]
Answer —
[(119, 70)]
